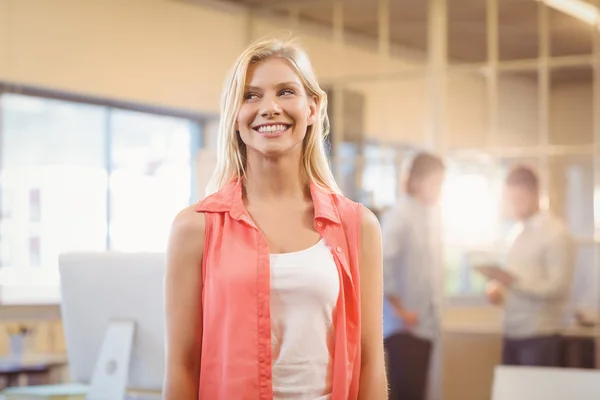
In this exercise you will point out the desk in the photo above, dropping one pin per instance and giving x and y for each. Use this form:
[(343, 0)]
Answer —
[(70, 391), (472, 350), (32, 369), (581, 345)]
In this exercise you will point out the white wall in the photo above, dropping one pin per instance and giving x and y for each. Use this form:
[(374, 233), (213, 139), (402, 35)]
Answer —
[(150, 51), (4, 36)]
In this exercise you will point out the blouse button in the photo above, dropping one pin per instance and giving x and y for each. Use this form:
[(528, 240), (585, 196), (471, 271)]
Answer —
[(319, 223), (339, 249)]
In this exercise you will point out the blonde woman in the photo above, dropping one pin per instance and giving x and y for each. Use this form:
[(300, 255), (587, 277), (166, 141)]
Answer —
[(274, 282)]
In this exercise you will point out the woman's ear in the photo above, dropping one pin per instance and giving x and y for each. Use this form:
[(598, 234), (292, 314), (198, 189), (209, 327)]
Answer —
[(312, 107)]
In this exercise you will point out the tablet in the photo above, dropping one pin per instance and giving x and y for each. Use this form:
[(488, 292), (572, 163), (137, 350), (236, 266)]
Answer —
[(494, 272)]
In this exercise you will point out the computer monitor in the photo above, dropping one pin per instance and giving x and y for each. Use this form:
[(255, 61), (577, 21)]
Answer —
[(112, 311)]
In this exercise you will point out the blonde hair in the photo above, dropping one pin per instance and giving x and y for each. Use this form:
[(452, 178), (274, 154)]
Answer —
[(231, 151)]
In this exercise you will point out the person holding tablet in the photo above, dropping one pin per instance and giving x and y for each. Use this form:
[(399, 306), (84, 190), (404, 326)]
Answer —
[(534, 287)]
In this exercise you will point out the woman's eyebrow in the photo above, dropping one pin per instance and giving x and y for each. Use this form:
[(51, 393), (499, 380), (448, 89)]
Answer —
[(279, 85), (290, 83)]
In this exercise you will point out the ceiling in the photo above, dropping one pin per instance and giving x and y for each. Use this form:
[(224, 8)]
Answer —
[(518, 25)]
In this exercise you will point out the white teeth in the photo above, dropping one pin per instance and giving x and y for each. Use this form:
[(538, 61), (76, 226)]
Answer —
[(272, 128)]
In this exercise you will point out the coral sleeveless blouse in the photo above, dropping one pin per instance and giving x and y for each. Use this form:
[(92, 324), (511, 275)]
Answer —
[(236, 340)]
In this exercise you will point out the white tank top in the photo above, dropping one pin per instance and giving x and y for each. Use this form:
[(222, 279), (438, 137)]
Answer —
[(304, 290)]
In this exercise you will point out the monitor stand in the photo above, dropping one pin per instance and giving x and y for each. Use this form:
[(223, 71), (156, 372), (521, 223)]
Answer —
[(109, 380)]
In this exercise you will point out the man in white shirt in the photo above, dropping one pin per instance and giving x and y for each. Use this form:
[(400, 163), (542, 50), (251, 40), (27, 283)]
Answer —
[(540, 268)]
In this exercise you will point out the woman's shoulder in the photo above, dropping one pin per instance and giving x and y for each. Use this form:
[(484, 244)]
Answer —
[(219, 201), (189, 221), (352, 210), (344, 203)]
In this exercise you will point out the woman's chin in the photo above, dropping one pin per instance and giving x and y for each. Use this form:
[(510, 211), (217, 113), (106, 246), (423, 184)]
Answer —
[(276, 149)]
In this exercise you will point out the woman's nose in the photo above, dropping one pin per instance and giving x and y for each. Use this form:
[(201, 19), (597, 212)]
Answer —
[(270, 106)]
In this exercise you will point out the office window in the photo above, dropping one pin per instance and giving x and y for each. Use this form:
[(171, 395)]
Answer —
[(53, 180), (473, 217), (150, 178), (470, 214), (380, 176), (81, 177), (346, 170)]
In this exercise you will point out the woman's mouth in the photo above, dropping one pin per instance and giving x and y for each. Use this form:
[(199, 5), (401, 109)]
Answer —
[(272, 130)]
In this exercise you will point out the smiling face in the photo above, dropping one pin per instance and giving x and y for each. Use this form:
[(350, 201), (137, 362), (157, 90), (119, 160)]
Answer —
[(276, 110)]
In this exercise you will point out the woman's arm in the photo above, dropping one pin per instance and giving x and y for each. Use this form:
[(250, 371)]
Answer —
[(183, 306), (373, 384)]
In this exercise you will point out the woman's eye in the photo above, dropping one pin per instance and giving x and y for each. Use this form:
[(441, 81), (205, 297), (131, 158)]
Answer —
[(286, 92), (249, 96)]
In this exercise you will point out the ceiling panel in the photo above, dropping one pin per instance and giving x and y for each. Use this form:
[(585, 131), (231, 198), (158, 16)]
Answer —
[(518, 29), (467, 28), (518, 36), (569, 36), (409, 23)]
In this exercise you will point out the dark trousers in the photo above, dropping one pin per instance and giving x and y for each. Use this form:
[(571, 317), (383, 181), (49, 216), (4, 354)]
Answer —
[(407, 366), (539, 351)]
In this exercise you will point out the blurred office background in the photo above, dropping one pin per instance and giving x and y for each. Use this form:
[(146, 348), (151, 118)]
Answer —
[(108, 114)]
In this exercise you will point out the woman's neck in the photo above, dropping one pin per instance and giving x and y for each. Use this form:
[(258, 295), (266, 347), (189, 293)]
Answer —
[(276, 177)]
